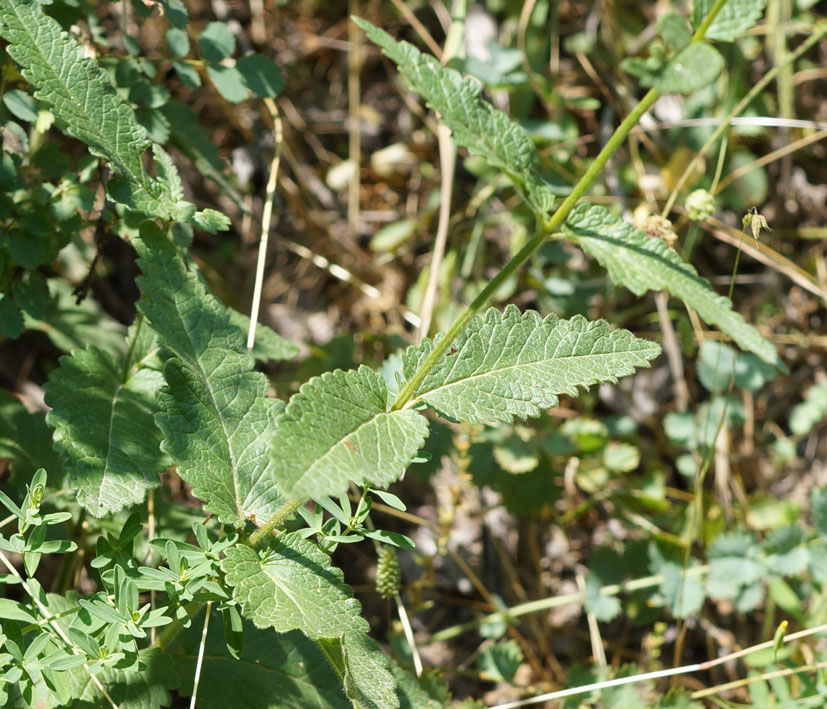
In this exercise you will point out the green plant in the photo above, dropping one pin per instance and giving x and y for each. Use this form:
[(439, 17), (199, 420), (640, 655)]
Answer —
[(180, 388)]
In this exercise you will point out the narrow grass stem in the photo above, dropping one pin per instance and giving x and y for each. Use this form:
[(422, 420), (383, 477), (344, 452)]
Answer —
[(684, 669), (266, 218)]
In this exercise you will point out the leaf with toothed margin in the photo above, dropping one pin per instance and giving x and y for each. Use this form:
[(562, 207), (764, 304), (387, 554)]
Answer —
[(337, 430), (291, 585), (104, 432), (475, 124), (510, 364), (640, 263), (215, 414), (733, 20)]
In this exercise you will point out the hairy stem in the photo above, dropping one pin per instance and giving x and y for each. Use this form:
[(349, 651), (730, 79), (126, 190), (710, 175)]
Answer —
[(287, 509)]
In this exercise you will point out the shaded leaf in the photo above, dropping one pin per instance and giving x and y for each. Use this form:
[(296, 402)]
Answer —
[(25, 440), (813, 409), (261, 75), (216, 42), (80, 93), (105, 434), (275, 671)]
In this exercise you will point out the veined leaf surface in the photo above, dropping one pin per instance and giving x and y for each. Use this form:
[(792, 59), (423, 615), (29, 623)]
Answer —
[(507, 364), (474, 123), (734, 19), (337, 430), (295, 587), (105, 434), (640, 263), (215, 414), (82, 96)]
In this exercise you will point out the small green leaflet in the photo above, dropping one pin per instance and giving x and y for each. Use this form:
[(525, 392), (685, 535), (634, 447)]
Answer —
[(734, 19), (215, 414), (474, 123), (640, 263), (105, 434), (293, 586), (507, 364), (337, 430)]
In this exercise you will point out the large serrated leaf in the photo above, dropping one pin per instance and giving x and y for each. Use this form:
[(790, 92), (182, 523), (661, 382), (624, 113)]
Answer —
[(640, 263), (215, 414), (275, 671), (368, 681), (295, 587), (734, 19), (104, 431), (507, 364), (475, 123), (337, 430)]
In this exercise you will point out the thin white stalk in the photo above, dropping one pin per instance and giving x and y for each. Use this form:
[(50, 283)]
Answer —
[(54, 626), (266, 218), (685, 669), (201, 647), (409, 636)]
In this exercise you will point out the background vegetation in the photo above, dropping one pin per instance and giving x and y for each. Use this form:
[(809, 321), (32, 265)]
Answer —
[(670, 519)]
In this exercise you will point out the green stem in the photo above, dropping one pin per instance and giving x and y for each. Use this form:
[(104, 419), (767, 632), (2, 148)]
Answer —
[(546, 228), (287, 509)]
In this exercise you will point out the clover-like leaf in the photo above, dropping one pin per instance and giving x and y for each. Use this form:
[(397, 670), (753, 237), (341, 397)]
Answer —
[(337, 430), (474, 123), (507, 364), (640, 263), (691, 69), (105, 434), (215, 415)]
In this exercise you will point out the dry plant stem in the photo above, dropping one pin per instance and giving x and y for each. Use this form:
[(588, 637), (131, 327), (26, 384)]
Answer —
[(598, 653), (266, 218), (740, 106), (447, 157), (354, 132), (57, 629), (771, 157), (685, 669), (673, 353), (545, 604), (409, 636), (757, 678), (201, 647), (421, 30), (767, 256), (447, 161)]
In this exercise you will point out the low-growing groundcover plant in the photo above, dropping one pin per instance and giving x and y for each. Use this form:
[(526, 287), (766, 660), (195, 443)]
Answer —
[(241, 604)]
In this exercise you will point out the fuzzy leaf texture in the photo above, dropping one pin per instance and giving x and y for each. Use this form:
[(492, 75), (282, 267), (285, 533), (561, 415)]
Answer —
[(734, 19), (640, 263), (82, 96), (337, 430), (215, 415), (104, 431), (295, 587), (507, 364), (474, 123)]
